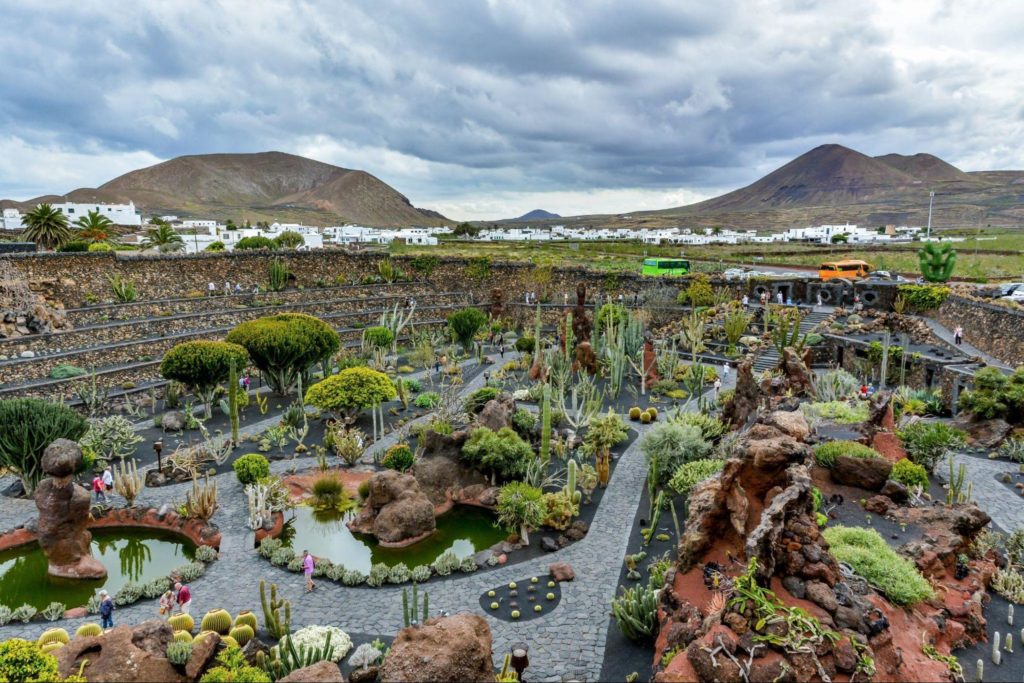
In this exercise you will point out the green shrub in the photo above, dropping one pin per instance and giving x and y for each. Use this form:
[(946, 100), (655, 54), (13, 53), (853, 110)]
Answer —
[(257, 242), (608, 314), (379, 337), (698, 293), (289, 239), (251, 468), (523, 421), (710, 426), (825, 454), (329, 493), (351, 391), (465, 324), (521, 507), (27, 427), (909, 474), (692, 473), (840, 412), (669, 445), (503, 452), (928, 442), (285, 346), (525, 344), (74, 246), (215, 246), (923, 297), (996, 395), (66, 371), (871, 557), (399, 457), (22, 661), (203, 366), (427, 400), (479, 398)]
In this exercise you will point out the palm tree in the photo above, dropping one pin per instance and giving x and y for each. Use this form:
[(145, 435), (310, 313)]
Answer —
[(93, 227), (46, 226), (163, 238)]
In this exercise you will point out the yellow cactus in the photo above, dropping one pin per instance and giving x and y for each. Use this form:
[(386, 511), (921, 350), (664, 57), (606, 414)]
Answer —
[(247, 618), (53, 635), (50, 647), (88, 630), (182, 622), (216, 620), (182, 637), (242, 634)]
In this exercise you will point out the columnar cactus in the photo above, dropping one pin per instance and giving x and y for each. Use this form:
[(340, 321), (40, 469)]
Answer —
[(996, 640)]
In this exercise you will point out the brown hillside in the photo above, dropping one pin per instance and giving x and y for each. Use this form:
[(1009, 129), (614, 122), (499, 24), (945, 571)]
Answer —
[(263, 186), (924, 167)]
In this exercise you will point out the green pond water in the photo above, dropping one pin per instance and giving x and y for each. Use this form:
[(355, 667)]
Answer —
[(128, 555), (464, 530)]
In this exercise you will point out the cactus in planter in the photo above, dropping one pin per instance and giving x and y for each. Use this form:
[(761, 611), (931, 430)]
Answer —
[(570, 483), (216, 620), (247, 618), (937, 261), (182, 622)]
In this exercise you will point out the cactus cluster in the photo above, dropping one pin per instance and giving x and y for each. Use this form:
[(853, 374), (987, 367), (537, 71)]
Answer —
[(411, 612), (272, 608), (247, 618)]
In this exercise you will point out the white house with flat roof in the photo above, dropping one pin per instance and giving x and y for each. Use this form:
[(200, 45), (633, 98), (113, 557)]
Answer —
[(10, 219), (120, 214)]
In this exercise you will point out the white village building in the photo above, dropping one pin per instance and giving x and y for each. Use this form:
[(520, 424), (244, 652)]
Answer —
[(120, 214)]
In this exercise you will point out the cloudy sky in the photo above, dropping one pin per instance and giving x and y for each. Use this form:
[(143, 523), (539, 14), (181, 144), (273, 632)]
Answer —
[(487, 109)]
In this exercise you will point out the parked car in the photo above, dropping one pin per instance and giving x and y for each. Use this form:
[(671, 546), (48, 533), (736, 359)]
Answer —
[(1008, 288)]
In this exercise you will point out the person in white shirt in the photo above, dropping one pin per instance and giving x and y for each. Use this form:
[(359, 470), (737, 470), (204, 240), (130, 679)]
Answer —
[(746, 300), (108, 479), (778, 297), (725, 369), (211, 289)]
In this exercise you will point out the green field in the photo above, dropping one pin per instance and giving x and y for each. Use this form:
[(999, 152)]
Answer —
[(978, 260)]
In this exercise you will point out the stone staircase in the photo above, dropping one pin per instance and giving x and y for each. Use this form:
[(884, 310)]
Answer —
[(769, 358)]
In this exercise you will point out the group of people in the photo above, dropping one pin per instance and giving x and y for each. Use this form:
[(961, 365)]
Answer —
[(177, 600), (211, 288), (102, 483)]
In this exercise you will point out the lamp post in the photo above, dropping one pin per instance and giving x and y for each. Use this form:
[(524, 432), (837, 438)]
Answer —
[(520, 658), (158, 446), (931, 198)]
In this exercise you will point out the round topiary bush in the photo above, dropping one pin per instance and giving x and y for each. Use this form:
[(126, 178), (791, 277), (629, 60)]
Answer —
[(379, 337), (525, 344), (251, 468), (350, 391), (203, 366), (255, 242), (286, 345), (634, 413)]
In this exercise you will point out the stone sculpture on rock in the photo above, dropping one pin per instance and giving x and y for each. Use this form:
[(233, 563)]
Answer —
[(581, 326), (396, 511), (64, 514)]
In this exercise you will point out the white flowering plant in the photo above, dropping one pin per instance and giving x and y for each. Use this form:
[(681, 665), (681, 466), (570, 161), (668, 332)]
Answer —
[(313, 637)]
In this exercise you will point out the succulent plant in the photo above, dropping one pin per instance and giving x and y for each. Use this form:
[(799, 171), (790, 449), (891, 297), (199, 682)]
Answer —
[(537, 608), (494, 605), (491, 594), (242, 634), (182, 637), (88, 630), (247, 618), (512, 585), (54, 635), (182, 622), (216, 620), (515, 614), (550, 596)]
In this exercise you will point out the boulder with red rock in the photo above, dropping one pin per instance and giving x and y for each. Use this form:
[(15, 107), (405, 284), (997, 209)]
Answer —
[(983, 433), (497, 413), (442, 649), (128, 654), (865, 473), (321, 672), (396, 511)]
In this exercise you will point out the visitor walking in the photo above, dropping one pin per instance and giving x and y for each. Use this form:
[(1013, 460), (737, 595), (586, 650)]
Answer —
[(958, 335), (238, 288), (778, 297), (745, 300), (98, 489), (227, 288), (182, 596), (437, 365), (307, 569), (501, 351), (211, 289), (725, 369), (565, 299), (245, 381), (718, 387), (108, 480), (106, 610)]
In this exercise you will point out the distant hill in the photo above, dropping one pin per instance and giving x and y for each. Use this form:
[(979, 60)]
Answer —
[(537, 215), (835, 184), (261, 186)]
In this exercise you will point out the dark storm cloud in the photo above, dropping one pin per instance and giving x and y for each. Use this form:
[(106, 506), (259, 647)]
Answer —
[(448, 99)]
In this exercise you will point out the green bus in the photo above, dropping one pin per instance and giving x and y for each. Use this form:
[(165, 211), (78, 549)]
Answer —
[(660, 266)]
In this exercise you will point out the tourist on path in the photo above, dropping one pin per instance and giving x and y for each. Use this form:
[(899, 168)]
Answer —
[(108, 479), (106, 610), (182, 596), (211, 289), (778, 297), (820, 302), (958, 335), (745, 300), (718, 387), (98, 489), (501, 351), (725, 369), (166, 604), (307, 569)]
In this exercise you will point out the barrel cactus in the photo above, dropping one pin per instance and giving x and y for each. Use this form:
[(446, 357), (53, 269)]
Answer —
[(653, 411), (634, 413), (182, 622), (182, 637), (88, 630), (216, 620), (645, 417), (53, 635), (229, 641), (201, 636), (242, 634), (51, 647), (247, 618)]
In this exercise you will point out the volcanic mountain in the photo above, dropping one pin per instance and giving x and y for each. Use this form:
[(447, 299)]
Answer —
[(262, 186), (835, 184), (537, 215)]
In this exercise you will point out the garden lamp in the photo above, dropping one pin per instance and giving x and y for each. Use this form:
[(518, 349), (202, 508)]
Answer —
[(158, 446)]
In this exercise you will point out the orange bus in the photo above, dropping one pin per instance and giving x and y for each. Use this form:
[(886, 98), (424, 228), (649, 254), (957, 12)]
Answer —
[(848, 269)]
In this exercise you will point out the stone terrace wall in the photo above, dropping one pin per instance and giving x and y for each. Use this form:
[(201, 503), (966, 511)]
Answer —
[(996, 330), (77, 278)]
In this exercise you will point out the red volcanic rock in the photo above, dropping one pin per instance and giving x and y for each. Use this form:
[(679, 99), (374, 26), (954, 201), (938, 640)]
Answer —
[(125, 653), (396, 510), (865, 473), (442, 649), (562, 571), (321, 672)]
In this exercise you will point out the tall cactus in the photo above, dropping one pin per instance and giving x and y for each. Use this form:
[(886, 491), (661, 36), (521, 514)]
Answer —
[(937, 261), (411, 613), (272, 605), (570, 483), (545, 425), (233, 399)]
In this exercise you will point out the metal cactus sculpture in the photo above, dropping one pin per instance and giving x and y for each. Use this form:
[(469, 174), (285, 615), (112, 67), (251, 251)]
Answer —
[(937, 261)]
